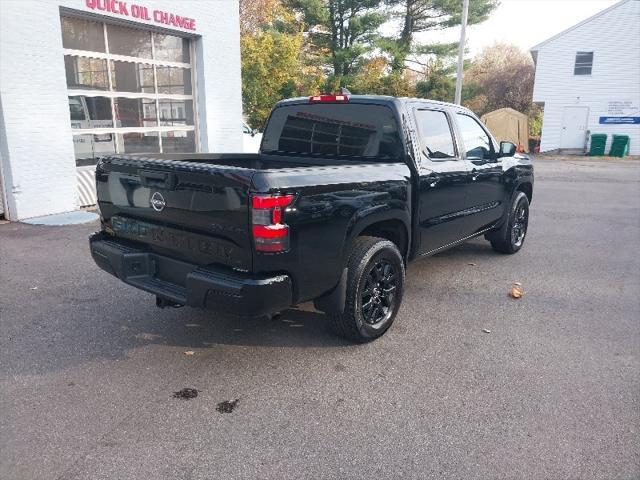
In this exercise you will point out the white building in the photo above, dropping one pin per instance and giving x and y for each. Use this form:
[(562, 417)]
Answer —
[(588, 80), (82, 78)]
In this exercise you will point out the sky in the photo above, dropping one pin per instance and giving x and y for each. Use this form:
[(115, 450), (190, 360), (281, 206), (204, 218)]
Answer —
[(524, 23)]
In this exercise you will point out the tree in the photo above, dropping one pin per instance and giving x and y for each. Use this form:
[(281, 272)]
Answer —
[(255, 14), (269, 62), (303, 47), (273, 65), (344, 28), (439, 83), (423, 15), (535, 121), (373, 78), (503, 75)]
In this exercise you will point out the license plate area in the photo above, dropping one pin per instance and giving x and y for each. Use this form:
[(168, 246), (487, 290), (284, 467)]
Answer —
[(138, 265)]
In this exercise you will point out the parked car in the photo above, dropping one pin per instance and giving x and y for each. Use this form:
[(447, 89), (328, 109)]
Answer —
[(344, 192), (251, 139)]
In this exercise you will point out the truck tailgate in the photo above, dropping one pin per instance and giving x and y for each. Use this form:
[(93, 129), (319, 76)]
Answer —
[(189, 210)]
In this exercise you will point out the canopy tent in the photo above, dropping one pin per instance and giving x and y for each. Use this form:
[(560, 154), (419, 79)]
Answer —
[(509, 125)]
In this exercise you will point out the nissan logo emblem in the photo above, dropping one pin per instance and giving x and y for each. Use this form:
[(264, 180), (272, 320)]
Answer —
[(157, 202)]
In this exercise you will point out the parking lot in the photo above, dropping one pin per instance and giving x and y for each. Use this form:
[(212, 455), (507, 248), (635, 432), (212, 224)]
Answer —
[(89, 365)]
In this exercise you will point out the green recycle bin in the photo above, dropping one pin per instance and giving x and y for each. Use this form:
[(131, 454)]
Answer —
[(619, 146), (598, 142)]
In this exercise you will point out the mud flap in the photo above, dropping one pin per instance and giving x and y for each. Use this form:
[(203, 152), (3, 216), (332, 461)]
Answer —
[(499, 232), (334, 301)]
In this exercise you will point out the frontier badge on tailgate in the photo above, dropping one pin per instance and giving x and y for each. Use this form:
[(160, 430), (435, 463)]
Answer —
[(171, 238)]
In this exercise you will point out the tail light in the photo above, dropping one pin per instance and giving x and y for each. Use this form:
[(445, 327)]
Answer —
[(269, 233), (329, 98)]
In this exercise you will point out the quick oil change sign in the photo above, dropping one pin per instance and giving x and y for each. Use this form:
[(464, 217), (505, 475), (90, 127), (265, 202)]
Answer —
[(142, 13)]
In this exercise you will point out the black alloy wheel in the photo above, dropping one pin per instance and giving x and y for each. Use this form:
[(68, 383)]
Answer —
[(519, 227), (379, 294)]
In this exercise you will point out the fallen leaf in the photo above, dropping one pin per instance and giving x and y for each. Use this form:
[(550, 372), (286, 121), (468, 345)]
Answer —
[(486, 330), (516, 291), (471, 264), (189, 352), (33, 288)]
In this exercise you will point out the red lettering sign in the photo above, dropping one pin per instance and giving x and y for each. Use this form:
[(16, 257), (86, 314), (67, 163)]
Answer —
[(119, 7)]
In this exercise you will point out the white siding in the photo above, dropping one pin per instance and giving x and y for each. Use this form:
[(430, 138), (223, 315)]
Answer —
[(1, 197), (2, 212), (614, 37), (36, 148)]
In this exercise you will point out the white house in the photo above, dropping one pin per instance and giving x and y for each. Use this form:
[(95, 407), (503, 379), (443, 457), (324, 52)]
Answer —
[(588, 80), (83, 78)]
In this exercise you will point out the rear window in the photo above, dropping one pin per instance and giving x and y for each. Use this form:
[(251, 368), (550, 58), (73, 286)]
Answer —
[(334, 130)]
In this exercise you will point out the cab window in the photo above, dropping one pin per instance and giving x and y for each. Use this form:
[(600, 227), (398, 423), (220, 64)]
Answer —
[(477, 143), (345, 130), (435, 134)]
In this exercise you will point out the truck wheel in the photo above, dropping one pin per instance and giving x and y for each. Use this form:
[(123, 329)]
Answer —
[(375, 284), (513, 237)]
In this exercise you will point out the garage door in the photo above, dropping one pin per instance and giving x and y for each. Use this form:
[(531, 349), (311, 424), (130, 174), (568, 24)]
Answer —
[(130, 91)]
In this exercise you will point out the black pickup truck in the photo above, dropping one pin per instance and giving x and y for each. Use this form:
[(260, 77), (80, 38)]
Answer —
[(345, 191)]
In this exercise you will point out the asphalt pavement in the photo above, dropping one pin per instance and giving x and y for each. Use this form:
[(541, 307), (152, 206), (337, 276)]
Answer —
[(89, 366)]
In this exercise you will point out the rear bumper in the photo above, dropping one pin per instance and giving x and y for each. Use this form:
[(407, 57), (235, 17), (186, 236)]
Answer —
[(187, 284)]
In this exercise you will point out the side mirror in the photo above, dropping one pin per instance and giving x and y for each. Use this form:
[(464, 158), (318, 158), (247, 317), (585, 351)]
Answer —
[(507, 149)]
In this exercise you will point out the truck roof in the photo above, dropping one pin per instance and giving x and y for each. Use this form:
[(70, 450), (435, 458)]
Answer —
[(379, 99)]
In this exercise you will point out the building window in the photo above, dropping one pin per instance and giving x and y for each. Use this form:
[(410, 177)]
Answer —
[(80, 34), (130, 90), (584, 63)]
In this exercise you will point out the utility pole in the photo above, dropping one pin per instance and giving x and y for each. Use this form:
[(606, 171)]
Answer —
[(463, 34)]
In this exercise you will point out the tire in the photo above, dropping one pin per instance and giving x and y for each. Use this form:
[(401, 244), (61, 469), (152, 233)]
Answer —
[(375, 285), (512, 238)]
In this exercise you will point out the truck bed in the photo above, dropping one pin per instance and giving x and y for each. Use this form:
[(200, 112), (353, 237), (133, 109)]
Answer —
[(195, 207)]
